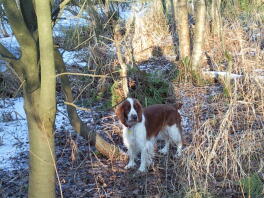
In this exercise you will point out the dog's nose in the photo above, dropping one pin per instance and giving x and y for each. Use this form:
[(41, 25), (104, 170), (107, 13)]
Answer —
[(134, 117)]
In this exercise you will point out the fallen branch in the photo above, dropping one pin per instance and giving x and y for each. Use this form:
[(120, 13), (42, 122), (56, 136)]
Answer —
[(221, 75), (80, 74)]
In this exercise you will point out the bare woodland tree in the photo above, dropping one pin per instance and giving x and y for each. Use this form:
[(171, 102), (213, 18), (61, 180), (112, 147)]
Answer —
[(35, 67), (184, 33), (183, 28), (123, 71), (198, 34), (216, 25)]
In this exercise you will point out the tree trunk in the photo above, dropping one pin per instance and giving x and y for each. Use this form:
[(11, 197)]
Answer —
[(75, 121), (41, 176), (41, 108), (183, 29), (198, 34), (109, 150), (123, 71), (216, 17)]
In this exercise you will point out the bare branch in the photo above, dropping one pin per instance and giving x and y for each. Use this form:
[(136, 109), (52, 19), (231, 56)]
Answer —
[(77, 107)]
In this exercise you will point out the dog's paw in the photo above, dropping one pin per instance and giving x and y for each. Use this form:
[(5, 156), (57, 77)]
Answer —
[(178, 154), (163, 151), (130, 165), (142, 169)]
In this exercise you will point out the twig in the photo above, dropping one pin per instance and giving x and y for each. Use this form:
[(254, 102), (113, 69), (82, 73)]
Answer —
[(77, 107)]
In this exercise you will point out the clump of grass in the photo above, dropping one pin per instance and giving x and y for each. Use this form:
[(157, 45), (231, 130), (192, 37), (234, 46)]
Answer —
[(252, 186), (117, 94), (148, 88)]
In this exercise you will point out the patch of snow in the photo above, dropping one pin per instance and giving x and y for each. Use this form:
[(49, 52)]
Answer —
[(14, 141), (69, 20), (11, 44), (75, 58), (13, 134)]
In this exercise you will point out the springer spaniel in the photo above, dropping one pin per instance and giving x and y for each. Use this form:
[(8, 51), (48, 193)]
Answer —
[(142, 127)]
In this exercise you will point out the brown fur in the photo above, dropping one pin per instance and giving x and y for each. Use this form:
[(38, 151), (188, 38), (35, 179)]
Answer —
[(161, 115), (123, 109), (157, 116)]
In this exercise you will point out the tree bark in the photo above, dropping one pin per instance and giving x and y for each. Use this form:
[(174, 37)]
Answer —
[(41, 176), (183, 29), (30, 67), (216, 17), (123, 71), (43, 104), (198, 34)]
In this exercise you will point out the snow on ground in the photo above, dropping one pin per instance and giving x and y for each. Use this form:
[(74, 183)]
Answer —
[(75, 58), (13, 134), (73, 17), (12, 45), (14, 141)]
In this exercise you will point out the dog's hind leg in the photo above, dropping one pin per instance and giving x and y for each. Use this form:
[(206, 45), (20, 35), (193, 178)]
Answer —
[(175, 136)]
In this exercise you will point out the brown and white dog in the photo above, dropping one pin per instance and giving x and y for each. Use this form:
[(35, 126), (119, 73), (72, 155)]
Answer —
[(142, 127)]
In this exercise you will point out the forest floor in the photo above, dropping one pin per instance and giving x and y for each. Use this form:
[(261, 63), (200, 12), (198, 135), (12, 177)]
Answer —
[(83, 172)]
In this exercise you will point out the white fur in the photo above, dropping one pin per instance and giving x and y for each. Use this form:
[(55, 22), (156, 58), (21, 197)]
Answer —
[(132, 110), (135, 139)]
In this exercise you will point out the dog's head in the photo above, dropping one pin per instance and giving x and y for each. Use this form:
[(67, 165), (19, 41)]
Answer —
[(129, 112)]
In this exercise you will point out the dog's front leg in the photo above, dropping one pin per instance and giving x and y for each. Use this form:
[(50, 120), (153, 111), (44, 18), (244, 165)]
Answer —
[(143, 162), (131, 154)]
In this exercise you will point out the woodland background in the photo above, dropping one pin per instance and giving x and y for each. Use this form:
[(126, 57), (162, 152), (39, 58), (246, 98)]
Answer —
[(65, 65)]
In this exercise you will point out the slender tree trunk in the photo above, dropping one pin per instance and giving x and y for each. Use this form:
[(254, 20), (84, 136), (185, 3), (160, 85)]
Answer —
[(75, 121), (183, 28), (109, 150), (216, 17), (42, 151), (41, 176), (123, 71), (198, 34)]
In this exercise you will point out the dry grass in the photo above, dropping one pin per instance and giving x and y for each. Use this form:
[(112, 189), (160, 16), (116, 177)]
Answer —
[(150, 31), (239, 46), (224, 135)]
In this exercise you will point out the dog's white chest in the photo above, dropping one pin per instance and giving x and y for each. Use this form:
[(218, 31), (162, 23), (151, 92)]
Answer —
[(135, 136)]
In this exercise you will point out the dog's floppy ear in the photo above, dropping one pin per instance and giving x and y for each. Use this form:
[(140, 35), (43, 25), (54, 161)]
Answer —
[(138, 108), (120, 113), (178, 105)]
